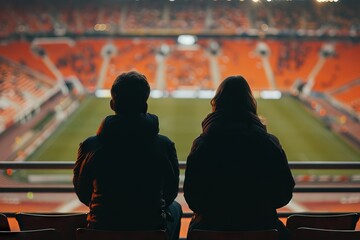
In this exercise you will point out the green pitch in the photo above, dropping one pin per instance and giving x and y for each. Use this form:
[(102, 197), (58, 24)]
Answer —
[(303, 137)]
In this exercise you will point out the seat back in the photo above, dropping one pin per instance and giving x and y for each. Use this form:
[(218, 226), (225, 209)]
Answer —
[(338, 222), (305, 233), (271, 234), (92, 234), (39, 234), (65, 224), (4, 223)]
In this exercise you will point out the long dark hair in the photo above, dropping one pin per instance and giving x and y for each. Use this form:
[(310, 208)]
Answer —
[(234, 94)]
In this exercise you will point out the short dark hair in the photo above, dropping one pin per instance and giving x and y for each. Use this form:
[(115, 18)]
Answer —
[(130, 92)]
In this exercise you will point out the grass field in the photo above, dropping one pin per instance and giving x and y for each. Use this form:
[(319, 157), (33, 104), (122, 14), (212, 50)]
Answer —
[(303, 137)]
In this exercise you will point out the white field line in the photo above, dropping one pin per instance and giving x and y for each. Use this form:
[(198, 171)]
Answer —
[(69, 206), (295, 207)]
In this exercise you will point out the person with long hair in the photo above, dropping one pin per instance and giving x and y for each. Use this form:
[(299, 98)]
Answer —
[(237, 174)]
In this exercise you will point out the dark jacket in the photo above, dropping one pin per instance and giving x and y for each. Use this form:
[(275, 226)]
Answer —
[(237, 174), (127, 174)]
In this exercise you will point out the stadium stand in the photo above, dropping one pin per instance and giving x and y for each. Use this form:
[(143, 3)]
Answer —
[(137, 54), (141, 16), (22, 90), (240, 56), (188, 68), (83, 60), (168, 17), (340, 68), (292, 60), (350, 97), (21, 52), (228, 19)]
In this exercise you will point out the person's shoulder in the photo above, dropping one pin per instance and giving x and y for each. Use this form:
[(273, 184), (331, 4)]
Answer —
[(91, 143), (274, 140), (164, 139)]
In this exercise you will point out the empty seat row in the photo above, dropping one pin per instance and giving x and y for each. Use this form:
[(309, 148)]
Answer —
[(73, 226)]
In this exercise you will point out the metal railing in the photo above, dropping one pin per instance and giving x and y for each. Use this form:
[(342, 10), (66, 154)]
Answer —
[(69, 165), (293, 165)]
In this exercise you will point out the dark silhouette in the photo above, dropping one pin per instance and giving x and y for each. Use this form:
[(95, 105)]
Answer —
[(237, 174), (128, 174)]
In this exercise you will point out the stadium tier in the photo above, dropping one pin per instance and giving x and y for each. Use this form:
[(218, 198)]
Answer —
[(267, 64), (164, 17)]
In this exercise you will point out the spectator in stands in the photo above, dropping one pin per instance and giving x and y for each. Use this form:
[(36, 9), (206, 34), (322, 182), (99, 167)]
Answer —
[(128, 173), (237, 174)]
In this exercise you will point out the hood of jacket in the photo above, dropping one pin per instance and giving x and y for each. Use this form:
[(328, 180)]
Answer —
[(128, 128), (224, 123)]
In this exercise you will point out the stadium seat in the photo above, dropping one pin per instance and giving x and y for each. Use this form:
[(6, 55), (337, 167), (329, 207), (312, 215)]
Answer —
[(271, 234), (317, 234), (39, 234), (337, 222), (65, 224), (4, 223), (92, 234)]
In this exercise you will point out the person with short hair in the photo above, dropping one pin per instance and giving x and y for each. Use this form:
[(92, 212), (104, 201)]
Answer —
[(237, 173), (128, 174)]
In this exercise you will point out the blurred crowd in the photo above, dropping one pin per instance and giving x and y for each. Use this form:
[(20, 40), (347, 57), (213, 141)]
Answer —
[(311, 18)]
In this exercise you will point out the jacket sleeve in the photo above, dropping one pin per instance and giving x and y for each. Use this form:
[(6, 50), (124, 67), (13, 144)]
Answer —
[(281, 180), (196, 190), (83, 173), (171, 174)]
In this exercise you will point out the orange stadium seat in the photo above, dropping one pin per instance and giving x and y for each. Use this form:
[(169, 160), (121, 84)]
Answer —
[(291, 60), (133, 54), (188, 68), (19, 88), (20, 51), (83, 60), (238, 57), (339, 69), (271, 234), (350, 97)]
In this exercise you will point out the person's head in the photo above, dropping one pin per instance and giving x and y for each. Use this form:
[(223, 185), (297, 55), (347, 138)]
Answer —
[(234, 94), (129, 93)]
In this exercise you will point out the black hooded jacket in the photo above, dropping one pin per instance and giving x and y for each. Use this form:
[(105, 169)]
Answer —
[(237, 174), (127, 174)]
